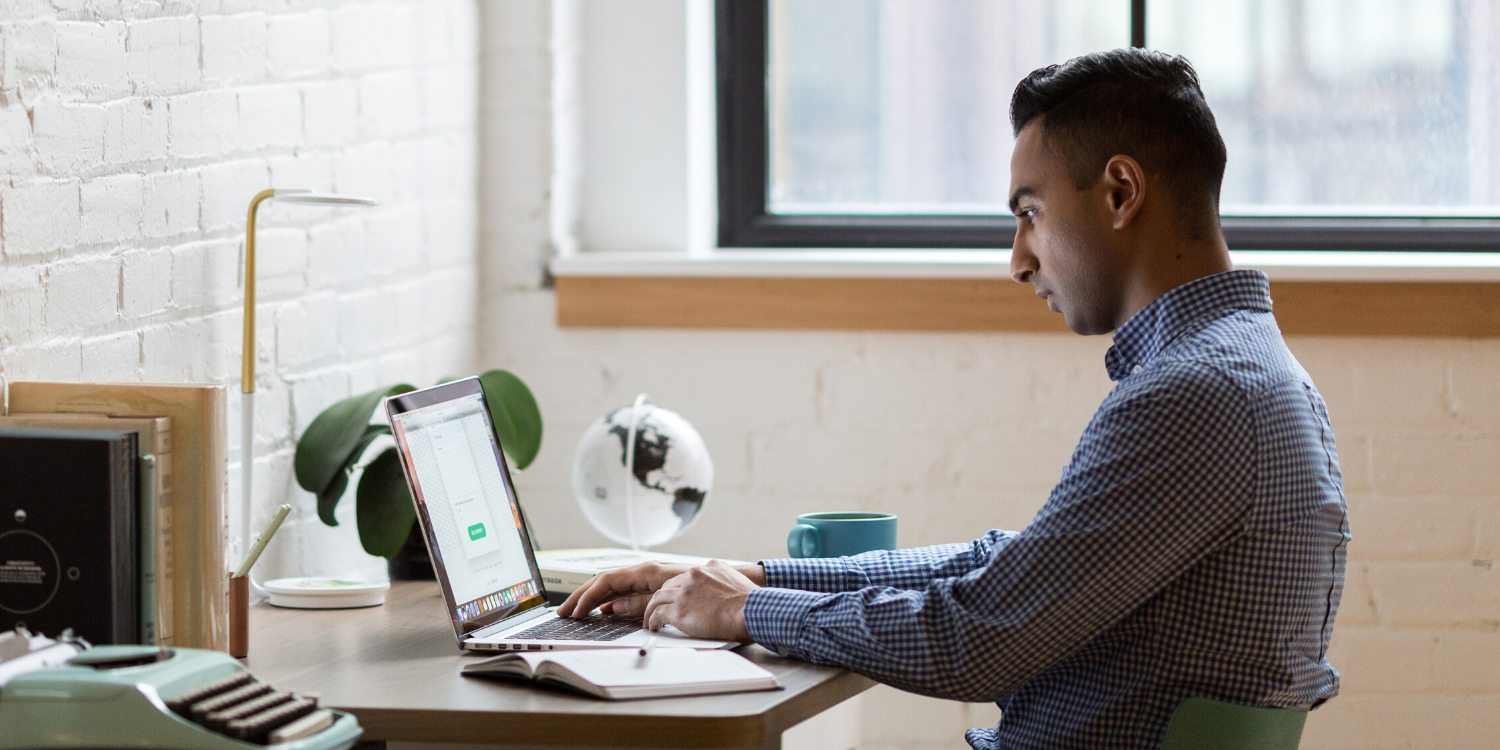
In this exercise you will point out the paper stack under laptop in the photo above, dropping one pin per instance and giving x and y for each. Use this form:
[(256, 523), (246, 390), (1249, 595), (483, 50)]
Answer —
[(621, 674), (564, 570)]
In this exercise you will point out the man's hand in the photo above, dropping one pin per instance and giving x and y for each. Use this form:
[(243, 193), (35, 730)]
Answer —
[(621, 592), (704, 602), (626, 591)]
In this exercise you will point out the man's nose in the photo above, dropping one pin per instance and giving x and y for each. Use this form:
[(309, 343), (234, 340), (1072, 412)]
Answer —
[(1022, 262)]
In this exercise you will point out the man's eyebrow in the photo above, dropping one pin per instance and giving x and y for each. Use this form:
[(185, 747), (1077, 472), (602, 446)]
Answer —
[(1015, 198)]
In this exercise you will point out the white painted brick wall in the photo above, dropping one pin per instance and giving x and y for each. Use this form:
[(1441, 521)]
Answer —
[(959, 433), (132, 138)]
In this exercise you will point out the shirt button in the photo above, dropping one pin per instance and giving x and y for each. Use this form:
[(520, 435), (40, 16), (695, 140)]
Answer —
[(782, 650), (1135, 369)]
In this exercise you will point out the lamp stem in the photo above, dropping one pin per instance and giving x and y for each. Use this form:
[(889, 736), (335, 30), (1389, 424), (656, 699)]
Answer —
[(247, 375), (247, 462), (247, 353)]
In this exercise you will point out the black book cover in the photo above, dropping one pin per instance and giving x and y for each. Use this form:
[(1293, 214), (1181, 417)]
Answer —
[(68, 533)]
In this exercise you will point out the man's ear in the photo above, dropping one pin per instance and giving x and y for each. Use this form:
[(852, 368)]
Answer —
[(1124, 189)]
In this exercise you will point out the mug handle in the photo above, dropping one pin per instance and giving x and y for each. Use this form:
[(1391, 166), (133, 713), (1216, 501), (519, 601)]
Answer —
[(804, 541)]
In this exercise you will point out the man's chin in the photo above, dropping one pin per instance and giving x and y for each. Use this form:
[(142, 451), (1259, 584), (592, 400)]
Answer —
[(1076, 322), (1084, 327)]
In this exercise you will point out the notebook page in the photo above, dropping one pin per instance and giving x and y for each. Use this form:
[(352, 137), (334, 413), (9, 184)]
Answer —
[(621, 667)]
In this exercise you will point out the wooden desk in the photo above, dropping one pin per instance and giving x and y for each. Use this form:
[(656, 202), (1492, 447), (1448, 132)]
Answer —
[(396, 667)]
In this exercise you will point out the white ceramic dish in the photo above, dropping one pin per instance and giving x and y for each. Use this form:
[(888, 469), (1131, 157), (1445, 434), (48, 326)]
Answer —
[(325, 592)]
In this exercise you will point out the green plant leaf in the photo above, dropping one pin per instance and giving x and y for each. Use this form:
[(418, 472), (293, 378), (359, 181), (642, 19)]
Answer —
[(326, 447), (328, 499), (383, 508), (517, 418)]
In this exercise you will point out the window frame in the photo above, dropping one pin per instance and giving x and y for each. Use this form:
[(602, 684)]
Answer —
[(741, 28)]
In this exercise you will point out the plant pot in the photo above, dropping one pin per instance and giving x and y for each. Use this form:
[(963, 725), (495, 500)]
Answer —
[(412, 563)]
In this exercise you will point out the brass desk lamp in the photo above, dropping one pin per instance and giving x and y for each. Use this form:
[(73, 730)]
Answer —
[(247, 352)]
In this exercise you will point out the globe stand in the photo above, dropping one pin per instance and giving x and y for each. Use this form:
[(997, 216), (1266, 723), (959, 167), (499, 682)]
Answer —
[(635, 422)]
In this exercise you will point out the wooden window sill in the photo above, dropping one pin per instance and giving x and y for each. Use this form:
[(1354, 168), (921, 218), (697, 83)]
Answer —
[(1418, 295)]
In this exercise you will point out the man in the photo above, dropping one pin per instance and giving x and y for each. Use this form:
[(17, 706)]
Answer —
[(1195, 543)]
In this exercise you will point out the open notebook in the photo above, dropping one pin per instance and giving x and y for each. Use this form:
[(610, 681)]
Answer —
[(620, 674)]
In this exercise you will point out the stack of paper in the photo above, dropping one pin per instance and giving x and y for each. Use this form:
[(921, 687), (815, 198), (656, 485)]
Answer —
[(564, 570)]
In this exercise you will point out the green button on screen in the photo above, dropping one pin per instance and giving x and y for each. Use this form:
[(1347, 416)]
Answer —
[(476, 531)]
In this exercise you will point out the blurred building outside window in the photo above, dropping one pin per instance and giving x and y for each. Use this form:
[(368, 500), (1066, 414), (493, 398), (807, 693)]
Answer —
[(1329, 108)]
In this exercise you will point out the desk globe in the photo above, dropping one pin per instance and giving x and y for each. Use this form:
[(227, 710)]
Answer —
[(641, 474)]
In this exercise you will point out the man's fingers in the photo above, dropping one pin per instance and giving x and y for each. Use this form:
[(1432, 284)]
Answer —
[(641, 578), (630, 605), (572, 600), (661, 616), (602, 588), (662, 598), (588, 596), (650, 607)]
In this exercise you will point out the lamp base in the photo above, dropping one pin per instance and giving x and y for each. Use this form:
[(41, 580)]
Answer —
[(325, 592)]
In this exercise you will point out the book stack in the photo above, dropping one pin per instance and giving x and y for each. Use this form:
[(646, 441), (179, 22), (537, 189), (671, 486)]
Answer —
[(68, 538), (161, 511), (152, 504)]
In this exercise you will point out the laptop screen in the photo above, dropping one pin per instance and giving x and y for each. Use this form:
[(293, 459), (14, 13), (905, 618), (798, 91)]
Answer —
[(468, 506)]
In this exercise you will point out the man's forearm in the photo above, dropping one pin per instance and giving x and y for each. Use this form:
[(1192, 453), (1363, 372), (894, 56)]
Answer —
[(755, 572)]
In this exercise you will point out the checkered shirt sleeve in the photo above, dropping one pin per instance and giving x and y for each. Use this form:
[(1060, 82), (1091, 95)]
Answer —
[(1159, 481), (899, 569)]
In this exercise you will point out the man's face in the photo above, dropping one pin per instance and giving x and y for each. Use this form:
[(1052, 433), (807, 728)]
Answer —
[(1064, 243)]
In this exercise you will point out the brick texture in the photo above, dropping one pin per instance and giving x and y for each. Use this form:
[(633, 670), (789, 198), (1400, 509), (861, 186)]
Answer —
[(132, 138)]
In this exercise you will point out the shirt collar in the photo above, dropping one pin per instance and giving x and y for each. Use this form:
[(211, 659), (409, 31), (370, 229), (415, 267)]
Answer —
[(1169, 316)]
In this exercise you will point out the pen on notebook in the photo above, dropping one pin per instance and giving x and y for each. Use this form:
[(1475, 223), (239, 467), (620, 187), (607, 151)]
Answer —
[(645, 651), (260, 543)]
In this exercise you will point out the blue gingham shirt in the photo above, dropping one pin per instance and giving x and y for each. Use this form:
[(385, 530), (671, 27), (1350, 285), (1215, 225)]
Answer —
[(1193, 547)]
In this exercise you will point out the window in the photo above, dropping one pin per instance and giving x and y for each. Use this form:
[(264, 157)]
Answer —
[(1351, 124)]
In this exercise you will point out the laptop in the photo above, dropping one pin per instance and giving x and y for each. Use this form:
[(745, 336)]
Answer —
[(481, 549)]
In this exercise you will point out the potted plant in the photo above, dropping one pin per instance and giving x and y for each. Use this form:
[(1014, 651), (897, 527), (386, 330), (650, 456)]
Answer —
[(336, 441)]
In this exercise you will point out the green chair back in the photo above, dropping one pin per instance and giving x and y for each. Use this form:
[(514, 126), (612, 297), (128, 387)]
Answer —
[(1203, 724)]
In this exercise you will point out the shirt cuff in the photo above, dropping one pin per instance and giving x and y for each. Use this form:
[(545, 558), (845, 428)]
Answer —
[(826, 574), (775, 617)]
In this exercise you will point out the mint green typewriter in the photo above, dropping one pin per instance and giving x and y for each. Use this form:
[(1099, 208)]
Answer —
[(151, 698)]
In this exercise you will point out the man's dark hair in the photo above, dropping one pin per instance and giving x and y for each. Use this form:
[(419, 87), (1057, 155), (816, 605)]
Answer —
[(1140, 103)]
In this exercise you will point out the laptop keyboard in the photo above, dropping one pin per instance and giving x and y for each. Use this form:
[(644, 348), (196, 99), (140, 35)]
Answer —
[(591, 628)]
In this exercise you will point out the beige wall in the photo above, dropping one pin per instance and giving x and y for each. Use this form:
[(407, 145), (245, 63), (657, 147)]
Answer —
[(1418, 636), (959, 433)]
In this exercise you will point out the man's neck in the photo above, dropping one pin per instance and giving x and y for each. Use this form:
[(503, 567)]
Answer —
[(1161, 268)]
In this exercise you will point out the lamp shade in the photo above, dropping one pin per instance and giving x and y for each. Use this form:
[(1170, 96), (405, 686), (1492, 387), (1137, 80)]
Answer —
[(321, 199)]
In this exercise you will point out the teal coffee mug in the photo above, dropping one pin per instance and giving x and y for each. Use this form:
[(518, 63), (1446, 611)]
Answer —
[(840, 533)]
